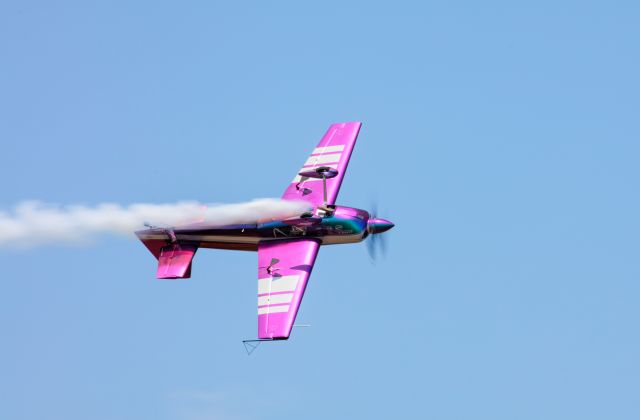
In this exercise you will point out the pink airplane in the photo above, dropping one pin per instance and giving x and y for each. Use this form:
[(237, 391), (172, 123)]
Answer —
[(287, 248)]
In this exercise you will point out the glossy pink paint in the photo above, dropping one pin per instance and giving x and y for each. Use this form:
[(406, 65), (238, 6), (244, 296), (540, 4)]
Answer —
[(174, 261), (295, 258), (339, 136)]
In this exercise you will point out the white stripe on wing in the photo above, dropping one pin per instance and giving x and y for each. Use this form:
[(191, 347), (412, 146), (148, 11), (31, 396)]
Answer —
[(320, 159), (273, 309), (275, 299), (278, 284), (328, 149)]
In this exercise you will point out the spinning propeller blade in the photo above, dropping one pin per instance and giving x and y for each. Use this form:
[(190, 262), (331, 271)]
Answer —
[(375, 242)]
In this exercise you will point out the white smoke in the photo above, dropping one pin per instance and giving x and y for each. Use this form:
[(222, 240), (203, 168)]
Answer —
[(33, 223)]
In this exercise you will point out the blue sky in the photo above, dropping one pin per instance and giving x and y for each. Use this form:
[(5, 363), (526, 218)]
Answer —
[(501, 138)]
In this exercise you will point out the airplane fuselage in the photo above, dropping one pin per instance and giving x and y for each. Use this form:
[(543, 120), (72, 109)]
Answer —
[(345, 225)]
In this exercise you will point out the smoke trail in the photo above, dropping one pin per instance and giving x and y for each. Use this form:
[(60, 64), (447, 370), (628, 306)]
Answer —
[(34, 223)]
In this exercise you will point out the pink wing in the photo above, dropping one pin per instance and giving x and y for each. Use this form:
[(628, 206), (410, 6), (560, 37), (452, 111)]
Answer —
[(284, 267), (334, 151)]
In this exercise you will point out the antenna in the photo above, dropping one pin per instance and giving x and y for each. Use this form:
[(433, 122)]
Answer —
[(251, 345)]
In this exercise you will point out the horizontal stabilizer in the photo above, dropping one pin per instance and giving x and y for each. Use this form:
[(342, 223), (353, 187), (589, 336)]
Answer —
[(174, 261)]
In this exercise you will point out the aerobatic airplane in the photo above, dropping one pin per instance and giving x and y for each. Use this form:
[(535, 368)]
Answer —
[(287, 248)]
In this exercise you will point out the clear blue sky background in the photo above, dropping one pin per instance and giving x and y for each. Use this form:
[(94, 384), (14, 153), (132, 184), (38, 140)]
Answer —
[(502, 139)]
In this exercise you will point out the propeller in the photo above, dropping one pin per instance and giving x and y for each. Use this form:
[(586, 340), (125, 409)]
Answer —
[(375, 242)]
